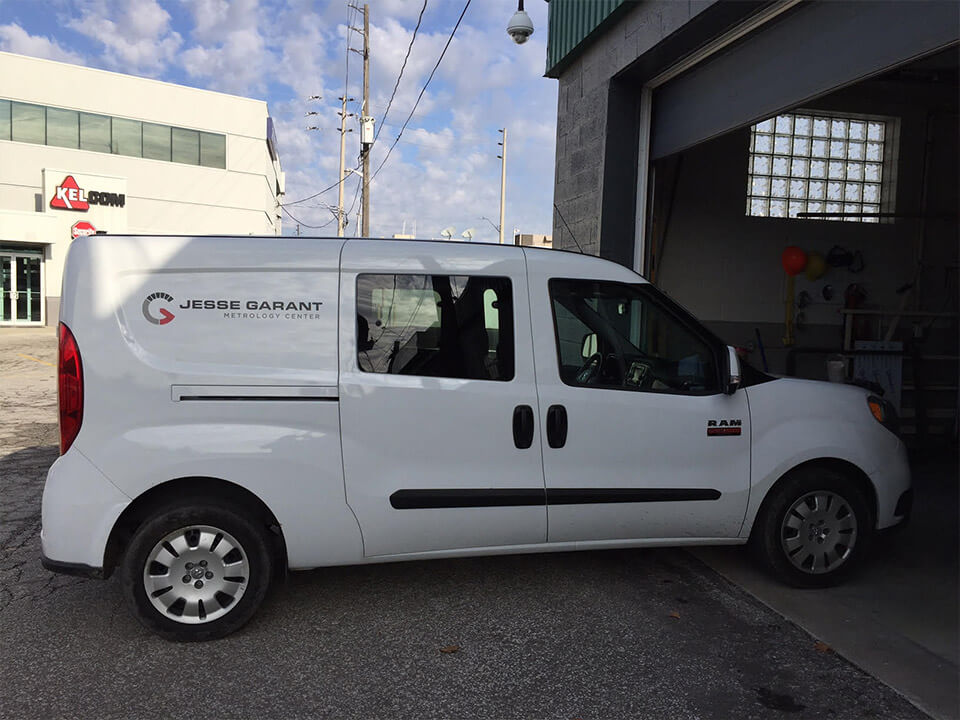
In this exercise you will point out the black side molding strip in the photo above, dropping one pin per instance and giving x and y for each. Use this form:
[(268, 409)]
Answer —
[(455, 498), (517, 497), (588, 496)]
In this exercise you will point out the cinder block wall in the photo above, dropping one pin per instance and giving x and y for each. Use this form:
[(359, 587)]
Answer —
[(582, 112)]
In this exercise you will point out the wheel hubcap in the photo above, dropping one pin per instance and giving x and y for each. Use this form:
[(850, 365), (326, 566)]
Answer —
[(196, 574), (819, 532)]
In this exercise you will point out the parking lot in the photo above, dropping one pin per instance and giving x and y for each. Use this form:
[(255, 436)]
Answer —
[(574, 635)]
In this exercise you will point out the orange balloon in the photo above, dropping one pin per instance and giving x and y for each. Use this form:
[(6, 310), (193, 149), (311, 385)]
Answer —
[(793, 259)]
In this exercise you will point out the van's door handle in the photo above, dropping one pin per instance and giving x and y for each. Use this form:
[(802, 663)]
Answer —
[(557, 426), (523, 426)]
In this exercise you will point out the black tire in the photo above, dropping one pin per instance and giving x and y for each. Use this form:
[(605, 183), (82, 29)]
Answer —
[(791, 547), (141, 565)]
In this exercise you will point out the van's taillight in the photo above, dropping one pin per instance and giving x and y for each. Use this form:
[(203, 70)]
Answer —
[(69, 388)]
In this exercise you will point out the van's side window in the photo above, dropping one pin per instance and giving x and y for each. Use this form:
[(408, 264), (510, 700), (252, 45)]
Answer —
[(436, 326), (614, 335)]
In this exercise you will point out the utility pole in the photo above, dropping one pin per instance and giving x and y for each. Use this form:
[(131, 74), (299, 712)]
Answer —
[(340, 177), (366, 127), (503, 180)]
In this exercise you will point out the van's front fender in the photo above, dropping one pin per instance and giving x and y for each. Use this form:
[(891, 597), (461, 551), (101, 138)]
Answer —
[(798, 421)]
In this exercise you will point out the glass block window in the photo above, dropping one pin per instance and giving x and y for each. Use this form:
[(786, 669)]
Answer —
[(807, 162)]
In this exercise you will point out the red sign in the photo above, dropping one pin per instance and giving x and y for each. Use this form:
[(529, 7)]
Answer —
[(69, 196), (82, 228)]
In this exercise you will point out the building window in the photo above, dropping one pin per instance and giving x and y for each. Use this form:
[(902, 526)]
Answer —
[(435, 326), (94, 132), (63, 128), (156, 142), (213, 150), (23, 122), (831, 166), (29, 123), (186, 146), (127, 138), (4, 119)]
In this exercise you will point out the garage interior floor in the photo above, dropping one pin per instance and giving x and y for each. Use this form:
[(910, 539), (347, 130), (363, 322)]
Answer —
[(898, 617)]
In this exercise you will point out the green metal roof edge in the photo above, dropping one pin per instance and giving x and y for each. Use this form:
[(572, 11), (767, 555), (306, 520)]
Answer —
[(553, 71)]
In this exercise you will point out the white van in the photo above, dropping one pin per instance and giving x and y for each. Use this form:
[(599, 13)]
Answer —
[(233, 407)]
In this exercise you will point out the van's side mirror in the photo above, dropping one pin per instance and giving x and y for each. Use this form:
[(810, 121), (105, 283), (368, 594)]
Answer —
[(588, 348), (732, 380)]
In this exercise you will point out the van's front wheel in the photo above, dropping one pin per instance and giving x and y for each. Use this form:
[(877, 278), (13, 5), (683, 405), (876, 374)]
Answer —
[(197, 572), (814, 528)]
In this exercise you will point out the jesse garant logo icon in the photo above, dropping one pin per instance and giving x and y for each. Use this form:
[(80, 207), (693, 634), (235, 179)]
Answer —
[(165, 315)]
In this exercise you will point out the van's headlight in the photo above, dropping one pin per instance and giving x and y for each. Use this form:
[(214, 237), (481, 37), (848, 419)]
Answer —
[(884, 412)]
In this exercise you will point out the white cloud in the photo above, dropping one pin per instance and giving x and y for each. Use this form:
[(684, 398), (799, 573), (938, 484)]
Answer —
[(135, 34), (230, 53), (15, 39)]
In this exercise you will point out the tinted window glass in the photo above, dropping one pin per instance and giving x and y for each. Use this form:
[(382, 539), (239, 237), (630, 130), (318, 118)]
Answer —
[(612, 335), (435, 326), (213, 150), (29, 123), (127, 137), (4, 119), (186, 146), (94, 132), (63, 128), (156, 142)]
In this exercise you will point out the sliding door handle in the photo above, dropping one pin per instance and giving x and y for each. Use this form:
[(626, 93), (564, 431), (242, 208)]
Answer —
[(557, 426), (523, 426)]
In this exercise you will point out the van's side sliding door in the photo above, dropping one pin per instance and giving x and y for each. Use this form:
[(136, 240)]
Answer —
[(438, 400)]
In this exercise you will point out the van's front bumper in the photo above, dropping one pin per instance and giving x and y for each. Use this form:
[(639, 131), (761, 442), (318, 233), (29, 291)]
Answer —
[(80, 507), (892, 483)]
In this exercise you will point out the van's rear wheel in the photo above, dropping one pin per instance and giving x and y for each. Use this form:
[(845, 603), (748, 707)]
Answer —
[(197, 572), (814, 528)]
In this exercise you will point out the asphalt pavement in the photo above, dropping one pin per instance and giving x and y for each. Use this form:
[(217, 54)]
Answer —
[(615, 634)]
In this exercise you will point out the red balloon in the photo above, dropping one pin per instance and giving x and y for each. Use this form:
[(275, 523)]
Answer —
[(794, 260)]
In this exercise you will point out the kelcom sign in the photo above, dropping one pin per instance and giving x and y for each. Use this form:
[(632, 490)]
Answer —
[(70, 196)]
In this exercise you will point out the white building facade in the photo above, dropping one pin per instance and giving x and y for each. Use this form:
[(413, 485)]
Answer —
[(85, 151)]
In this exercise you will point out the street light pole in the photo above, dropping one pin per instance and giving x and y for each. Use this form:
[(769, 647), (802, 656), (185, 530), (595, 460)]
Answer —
[(503, 180)]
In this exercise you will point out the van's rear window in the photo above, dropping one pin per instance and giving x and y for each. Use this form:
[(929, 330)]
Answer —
[(453, 326)]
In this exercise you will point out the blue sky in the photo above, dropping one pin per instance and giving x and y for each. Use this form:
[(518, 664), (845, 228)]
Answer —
[(443, 172)]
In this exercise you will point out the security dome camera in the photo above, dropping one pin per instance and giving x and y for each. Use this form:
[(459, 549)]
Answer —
[(520, 27)]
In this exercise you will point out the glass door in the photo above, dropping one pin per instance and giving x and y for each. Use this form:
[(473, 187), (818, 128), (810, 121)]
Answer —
[(21, 289), (6, 288), (28, 289)]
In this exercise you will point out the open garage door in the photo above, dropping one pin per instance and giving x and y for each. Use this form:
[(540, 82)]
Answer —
[(807, 52)]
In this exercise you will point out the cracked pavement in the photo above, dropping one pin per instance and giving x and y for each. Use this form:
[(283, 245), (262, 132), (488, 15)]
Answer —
[(644, 634)]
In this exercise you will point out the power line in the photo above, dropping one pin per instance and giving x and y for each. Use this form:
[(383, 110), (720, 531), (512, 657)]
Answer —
[(424, 88), (300, 222), (406, 57), (316, 194), (563, 220)]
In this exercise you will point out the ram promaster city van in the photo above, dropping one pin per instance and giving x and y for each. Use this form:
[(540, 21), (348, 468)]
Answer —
[(234, 407)]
